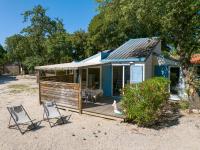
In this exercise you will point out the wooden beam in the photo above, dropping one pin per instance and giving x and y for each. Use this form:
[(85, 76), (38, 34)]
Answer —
[(39, 87)]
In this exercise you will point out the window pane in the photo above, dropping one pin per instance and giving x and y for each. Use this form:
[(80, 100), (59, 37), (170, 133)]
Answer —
[(94, 78), (117, 80), (127, 74), (84, 75)]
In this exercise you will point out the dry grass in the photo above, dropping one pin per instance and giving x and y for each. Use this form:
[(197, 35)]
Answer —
[(18, 88)]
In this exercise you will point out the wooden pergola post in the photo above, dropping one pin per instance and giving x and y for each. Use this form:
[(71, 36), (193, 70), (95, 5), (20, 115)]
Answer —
[(80, 99), (39, 87)]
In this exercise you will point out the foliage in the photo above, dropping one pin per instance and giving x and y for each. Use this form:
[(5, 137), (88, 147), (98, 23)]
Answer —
[(180, 26), (17, 47), (183, 104), (45, 41), (176, 22), (79, 45), (31, 62), (120, 20), (143, 102), (2, 55), (58, 45)]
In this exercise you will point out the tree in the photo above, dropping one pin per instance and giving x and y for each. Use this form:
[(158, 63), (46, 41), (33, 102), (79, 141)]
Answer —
[(41, 26), (43, 41), (180, 27), (49, 41), (121, 20), (2, 55), (59, 45), (18, 48), (79, 45), (105, 34)]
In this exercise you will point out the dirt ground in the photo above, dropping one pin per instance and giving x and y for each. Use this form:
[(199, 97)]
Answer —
[(84, 132)]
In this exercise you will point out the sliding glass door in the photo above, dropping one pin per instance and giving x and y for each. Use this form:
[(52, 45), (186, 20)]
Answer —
[(94, 78), (117, 80)]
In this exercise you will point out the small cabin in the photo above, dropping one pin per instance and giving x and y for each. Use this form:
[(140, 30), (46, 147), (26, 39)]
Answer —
[(109, 71)]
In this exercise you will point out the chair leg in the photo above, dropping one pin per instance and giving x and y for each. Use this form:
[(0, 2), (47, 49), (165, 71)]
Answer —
[(87, 99), (20, 129), (62, 120), (9, 122), (43, 116), (49, 122)]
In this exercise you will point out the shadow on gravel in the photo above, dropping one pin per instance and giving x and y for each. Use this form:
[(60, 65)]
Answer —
[(6, 79), (170, 117)]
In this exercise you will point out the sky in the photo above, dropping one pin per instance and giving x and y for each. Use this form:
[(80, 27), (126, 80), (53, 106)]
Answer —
[(76, 14)]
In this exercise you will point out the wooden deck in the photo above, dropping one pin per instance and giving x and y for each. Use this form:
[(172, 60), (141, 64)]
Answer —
[(103, 106)]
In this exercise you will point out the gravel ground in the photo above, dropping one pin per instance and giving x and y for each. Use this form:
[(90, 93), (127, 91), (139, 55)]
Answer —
[(86, 132)]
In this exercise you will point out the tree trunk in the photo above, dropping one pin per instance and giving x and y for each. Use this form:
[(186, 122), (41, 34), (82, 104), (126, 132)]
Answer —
[(191, 88)]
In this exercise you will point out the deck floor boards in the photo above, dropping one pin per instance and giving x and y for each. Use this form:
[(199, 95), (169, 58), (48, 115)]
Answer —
[(103, 106)]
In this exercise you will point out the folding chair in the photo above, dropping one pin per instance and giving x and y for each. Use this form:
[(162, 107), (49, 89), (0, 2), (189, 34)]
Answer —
[(85, 95), (51, 111), (20, 117), (95, 94)]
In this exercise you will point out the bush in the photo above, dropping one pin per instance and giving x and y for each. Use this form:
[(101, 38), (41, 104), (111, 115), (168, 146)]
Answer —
[(143, 102), (183, 104)]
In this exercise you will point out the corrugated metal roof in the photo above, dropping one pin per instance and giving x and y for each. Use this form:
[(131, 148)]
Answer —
[(141, 47)]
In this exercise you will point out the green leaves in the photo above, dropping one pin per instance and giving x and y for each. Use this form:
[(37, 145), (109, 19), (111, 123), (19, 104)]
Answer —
[(142, 103), (45, 41), (2, 55)]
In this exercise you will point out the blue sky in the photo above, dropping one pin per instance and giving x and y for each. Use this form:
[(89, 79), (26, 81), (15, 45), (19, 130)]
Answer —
[(76, 14)]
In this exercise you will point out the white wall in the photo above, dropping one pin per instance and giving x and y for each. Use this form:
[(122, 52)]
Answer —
[(151, 62), (157, 48), (182, 87), (93, 59), (148, 67)]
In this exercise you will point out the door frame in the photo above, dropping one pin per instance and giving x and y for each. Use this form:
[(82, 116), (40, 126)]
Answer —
[(169, 75), (100, 76), (123, 74)]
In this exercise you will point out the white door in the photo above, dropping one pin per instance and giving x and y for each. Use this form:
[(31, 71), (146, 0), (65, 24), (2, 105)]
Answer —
[(136, 73)]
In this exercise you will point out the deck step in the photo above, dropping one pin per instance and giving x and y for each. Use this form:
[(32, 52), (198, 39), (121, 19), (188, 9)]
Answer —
[(104, 116), (97, 115)]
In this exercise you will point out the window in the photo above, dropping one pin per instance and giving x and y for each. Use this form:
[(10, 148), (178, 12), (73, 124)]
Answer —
[(94, 78), (84, 76), (127, 75)]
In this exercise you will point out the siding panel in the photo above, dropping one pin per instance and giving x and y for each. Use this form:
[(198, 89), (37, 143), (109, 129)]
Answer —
[(107, 80)]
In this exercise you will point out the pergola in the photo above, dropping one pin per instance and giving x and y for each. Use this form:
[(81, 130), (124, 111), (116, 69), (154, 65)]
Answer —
[(56, 88)]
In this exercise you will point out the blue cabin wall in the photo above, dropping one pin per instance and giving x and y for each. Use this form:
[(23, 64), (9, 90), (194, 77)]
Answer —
[(107, 80), (161, 71)]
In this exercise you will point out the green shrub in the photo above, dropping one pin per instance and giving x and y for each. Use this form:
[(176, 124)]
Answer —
[(183, 104), (142, 103)]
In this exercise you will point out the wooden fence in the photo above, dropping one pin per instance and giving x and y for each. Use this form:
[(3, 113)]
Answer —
[(66, 94)]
